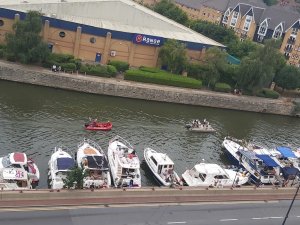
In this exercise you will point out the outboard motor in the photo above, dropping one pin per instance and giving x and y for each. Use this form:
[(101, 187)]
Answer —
[(188, 126)]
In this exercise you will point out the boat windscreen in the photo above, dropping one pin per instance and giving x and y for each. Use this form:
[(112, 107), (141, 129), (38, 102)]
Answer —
[(65, 163), (97, 162)]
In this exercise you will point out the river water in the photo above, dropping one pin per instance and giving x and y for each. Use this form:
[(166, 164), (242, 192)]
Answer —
[(36, 119)]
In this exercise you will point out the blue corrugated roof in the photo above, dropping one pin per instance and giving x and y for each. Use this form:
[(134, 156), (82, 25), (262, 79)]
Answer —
[(267, 160), (286, 152)]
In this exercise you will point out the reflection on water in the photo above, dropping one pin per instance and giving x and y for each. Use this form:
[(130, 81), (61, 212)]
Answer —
[(36, 119)]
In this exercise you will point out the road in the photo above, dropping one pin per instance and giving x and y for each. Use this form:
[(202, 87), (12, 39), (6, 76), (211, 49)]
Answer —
[(246, 213)]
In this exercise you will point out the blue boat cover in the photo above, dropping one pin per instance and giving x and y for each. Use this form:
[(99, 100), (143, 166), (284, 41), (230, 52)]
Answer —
[(267, 160), (65, 163), (290, 171), (286, 152)]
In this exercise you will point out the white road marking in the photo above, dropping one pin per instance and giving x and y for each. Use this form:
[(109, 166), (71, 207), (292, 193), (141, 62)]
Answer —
[(298, 216), (179, 222), (276, 217), (224, 220), (260, 218)]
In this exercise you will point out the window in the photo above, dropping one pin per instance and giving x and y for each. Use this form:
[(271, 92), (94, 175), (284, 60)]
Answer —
[(263, 28), (202, 176), (277, 32), (234, 19), (93, 40), (226, 15), (294, 31), (62, 34), (1, 23), (154, 161), (260, 38), (247, 23)]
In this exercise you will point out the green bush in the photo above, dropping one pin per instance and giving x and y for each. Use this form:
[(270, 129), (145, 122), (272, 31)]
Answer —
[(68, 67), (60, 58), (196, 71), (150, 69), (162, 78), (119, 65), (98, 70), (11, 57), (112, 71), (2, 53), (267, 93), (222, 87)]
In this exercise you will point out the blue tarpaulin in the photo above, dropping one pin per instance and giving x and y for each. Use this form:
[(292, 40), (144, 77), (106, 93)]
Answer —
[(65, 163), (286, 152), (267, 160), (290, 171)]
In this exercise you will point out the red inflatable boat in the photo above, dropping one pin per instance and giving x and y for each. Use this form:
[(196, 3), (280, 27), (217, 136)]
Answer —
[(98, 126)]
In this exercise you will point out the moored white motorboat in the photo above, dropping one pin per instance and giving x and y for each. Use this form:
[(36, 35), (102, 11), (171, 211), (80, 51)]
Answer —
[(60, 163), (255, 159), (124, 163), (20, 160), (93, 160), (14, 179), (162, 167), (213, 175), (200, 126)]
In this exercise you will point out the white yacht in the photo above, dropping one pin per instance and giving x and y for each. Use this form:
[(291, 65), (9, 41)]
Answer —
[(255, 159), (162, 167), (60, 163), (213, 175), (124, 163), (14, 179), (93, 160), (20, 160)]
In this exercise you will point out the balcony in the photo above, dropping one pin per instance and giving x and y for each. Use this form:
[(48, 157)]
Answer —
[(288, 49), (291, 40)]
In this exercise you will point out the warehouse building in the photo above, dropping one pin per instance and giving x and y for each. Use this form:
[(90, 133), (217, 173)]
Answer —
[(103, 30)]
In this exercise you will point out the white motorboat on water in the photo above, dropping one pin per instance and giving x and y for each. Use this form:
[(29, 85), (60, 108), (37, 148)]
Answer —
[(213, 175), (60, 163), (162, 167), (14, 179), (255, 159), (20, 160), (124, 163), (93, 160), (200, 126)]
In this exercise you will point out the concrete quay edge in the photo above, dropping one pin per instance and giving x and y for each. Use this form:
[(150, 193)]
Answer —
[(140, 196), (128, 89)]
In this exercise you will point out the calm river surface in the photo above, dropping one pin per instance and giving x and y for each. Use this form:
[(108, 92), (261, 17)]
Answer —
[(36, 119)]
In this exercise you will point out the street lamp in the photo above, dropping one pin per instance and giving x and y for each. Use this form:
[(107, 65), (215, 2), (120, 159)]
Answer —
[(291, 205)]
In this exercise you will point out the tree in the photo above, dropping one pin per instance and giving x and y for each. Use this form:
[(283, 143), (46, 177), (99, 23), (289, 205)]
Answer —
[(173, 55), (241, 49), (288, 78), (215, 60), (75, 177), (214, 31), (25, 43), (170, 10), (259, 69)]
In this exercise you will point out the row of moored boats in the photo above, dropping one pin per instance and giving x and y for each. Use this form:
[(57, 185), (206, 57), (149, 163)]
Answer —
[(121, 167)]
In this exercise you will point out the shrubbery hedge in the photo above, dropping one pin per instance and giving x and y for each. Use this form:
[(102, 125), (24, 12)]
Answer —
[(162, 78), (150, 69), (119, 65), (67, 62), (99, 70), (267, 93), (222, 87)]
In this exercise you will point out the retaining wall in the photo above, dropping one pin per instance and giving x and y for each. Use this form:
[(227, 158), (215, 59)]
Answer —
[(121, 88)]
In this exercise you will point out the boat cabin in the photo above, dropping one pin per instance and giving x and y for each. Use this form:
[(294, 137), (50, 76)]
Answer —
[(14, 178), (16, 160), (210, 174), (162, 165)]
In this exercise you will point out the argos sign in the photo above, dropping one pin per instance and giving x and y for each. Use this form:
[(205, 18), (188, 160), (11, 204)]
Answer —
[(147, 40)]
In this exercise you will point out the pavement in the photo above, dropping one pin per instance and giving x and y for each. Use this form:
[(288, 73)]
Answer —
[(148, 195)]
